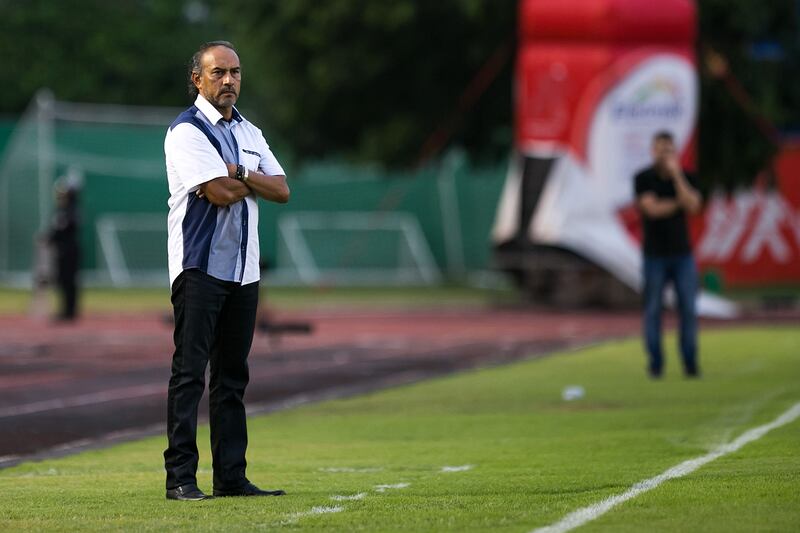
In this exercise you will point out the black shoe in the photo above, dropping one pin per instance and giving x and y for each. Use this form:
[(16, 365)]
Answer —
[(692, 373), (655, 373), (188, 492), (248, 489)]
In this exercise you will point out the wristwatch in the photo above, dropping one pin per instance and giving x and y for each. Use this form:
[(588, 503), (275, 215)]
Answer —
[(242, 173)]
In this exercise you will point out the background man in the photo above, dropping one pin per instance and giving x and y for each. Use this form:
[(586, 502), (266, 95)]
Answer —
[(63, 237), (217, 164), (664, 195)]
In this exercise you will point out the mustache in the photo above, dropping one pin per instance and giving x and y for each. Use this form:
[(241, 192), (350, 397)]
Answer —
[(227, 89)]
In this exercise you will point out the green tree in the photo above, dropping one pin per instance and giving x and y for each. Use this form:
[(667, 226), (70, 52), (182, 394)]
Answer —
[(371, 80), (132, 52), (368, 80), (737, 108)]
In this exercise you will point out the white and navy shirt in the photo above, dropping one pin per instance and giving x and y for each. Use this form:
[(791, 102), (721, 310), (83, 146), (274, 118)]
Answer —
[(220, 241)]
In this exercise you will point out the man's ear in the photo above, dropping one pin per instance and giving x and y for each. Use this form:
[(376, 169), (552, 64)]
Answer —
[(196, 79)]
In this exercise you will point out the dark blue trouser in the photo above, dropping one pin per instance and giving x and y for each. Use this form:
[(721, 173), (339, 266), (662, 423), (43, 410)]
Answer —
[(214, 322), (681, 271)]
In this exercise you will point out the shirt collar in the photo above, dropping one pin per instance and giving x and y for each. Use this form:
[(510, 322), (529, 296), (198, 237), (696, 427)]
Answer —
[(211, 112)]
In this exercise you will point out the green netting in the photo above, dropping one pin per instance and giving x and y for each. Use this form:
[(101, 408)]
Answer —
[(122, 165)]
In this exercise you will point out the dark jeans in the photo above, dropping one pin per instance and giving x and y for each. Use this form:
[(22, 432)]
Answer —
[(67, 279), (214, 322), (681, 271)]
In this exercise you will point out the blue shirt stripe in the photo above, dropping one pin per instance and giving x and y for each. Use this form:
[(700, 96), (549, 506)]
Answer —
[(199, 224), (215, 239)]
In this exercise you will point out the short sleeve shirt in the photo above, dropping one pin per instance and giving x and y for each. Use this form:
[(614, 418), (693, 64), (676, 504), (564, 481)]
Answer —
[(221, 241), (669, 235)]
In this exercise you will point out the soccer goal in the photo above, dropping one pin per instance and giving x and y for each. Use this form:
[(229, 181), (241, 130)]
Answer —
[(353, 248), (132, 248), (117, 152)]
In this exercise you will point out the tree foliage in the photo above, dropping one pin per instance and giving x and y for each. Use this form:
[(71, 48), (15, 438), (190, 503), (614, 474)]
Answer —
[(733, 147), (368, 80), (371, 80), (131, 52)]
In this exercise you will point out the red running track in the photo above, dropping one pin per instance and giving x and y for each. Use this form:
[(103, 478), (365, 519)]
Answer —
[(104, 379)]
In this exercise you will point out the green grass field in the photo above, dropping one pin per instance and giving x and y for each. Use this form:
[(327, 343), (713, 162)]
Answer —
[(526, 456)]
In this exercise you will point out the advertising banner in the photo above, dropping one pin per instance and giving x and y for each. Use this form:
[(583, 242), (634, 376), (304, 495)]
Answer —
[(595, 80), (752, 237)]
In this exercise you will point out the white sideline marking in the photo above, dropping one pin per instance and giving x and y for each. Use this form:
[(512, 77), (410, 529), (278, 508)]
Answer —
[(462, 468), (587, 514), (48, 472), (340, 470), (384, 488), (350, 497), (84, 399), (314, 511)]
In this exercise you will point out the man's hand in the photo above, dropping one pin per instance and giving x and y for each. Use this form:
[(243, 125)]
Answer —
[(272, 188), (231, 169), (225, 190), (688, 197), (231, 174), (673, 168)]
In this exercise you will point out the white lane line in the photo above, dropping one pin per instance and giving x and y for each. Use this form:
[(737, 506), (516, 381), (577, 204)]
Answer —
[(323, 510), (347, 470), (126, 393), (314, 511), (348, 497), (587, 514), (462, 468), (384, 488), (48, 472)]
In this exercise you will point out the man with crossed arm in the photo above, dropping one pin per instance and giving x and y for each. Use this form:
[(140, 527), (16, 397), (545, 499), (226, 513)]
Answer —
[(218, 163), (665, 193)]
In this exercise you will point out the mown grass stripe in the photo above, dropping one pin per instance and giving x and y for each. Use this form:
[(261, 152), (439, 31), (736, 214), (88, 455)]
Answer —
[(591, 512)]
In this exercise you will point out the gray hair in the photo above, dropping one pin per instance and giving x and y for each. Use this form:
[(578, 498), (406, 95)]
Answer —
[(194, 63)]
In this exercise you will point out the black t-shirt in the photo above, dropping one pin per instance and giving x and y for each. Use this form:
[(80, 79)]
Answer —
[(668, 235)]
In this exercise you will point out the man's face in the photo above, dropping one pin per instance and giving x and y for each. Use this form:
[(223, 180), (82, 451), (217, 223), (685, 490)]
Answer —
[(662, 150), (220, 77)]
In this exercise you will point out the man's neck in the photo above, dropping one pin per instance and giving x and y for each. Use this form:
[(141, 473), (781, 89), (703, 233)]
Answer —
[(226, 112)]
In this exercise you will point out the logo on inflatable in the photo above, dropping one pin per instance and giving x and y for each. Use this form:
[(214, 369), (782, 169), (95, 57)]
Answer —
[(659, 93), (659, 98)]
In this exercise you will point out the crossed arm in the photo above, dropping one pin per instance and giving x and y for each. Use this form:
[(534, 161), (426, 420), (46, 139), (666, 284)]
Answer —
[(687, 198), (227, 190)]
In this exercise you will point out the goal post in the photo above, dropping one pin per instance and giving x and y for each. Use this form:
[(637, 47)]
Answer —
[(118, 150), (132, 248), (353, 248)]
